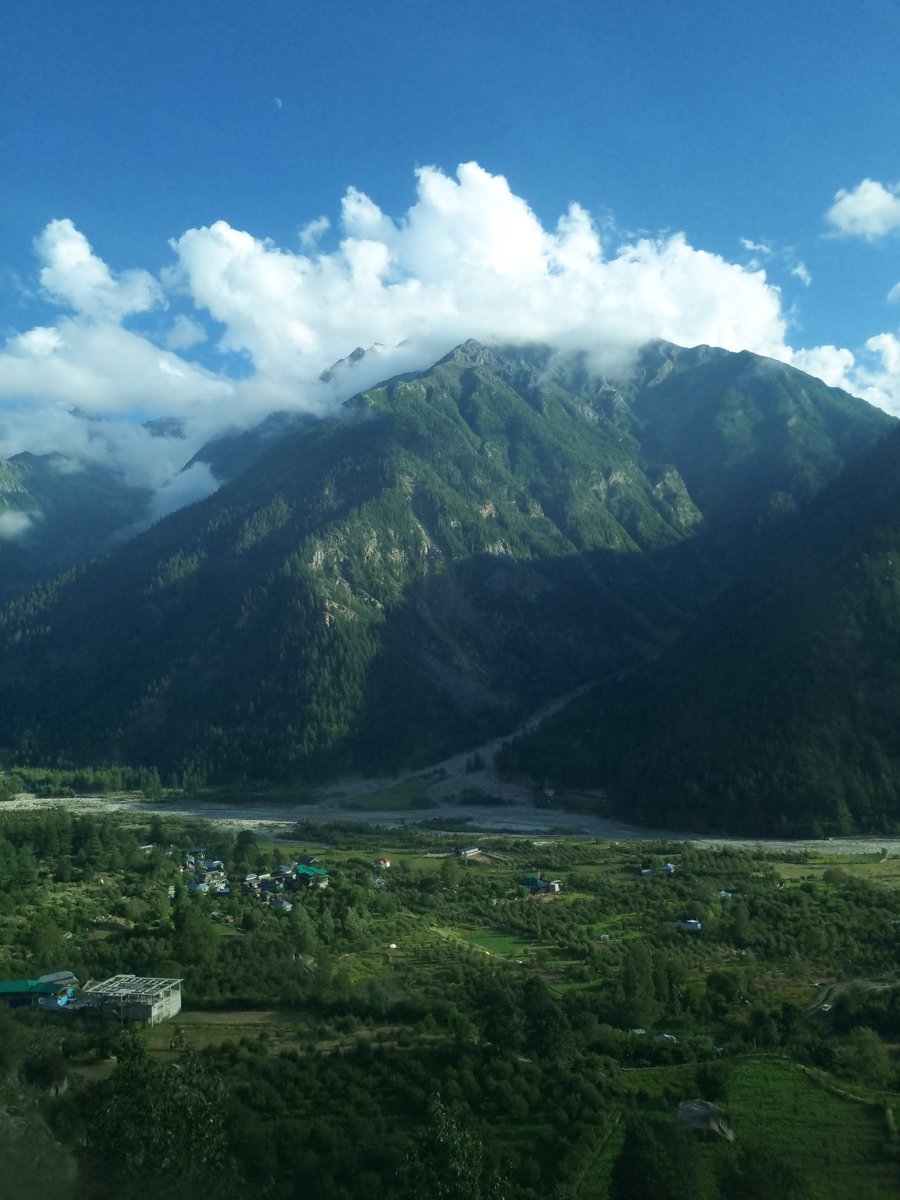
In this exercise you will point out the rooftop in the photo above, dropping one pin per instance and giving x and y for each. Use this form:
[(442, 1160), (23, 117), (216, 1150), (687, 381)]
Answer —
[(132, 986)]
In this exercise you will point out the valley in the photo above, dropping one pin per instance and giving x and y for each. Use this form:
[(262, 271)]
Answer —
[(503, 772)]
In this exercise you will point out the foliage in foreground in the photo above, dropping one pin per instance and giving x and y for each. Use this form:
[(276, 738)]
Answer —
[(366, 1043)]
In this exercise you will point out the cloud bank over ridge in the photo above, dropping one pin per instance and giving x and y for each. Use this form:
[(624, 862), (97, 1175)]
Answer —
[(237, 327)]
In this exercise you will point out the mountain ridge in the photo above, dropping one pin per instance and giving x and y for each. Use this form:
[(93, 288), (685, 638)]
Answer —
[(381, 588)]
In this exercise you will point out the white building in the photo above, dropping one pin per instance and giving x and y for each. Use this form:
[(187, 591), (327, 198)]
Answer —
[(133, 998)]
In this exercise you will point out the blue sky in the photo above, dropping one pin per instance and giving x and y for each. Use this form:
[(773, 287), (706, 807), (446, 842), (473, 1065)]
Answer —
[(131, 126)]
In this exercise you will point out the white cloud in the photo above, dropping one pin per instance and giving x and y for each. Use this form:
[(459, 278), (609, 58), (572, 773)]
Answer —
[(756, 247), (469, 258), (74, 276), (37, 343), (189, 485), (869, 211), (184, 334), (893, 296), (873, 373), (828, 363), (312, 231), (801, 272), (14, 524)]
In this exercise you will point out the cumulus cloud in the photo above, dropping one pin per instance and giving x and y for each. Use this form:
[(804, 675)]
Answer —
[(873, 373), (73, 275), (831, 364), (469, 258), (870, 210)]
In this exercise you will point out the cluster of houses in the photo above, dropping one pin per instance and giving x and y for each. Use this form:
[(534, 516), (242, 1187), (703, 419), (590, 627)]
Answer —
[(208, 876), (289, 877), (205, 874)]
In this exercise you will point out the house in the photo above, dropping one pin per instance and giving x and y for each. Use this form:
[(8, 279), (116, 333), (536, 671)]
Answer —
[(279, 903), (666, 1037), (49, 991), (669, 868), (468, 851), (381, 864), (690, 926), (60, 977), (311, 876), (200, 888), (212, 864), (132, 998), (542, 886)]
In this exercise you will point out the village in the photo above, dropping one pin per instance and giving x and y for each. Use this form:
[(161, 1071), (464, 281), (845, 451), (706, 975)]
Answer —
[(332, 972)]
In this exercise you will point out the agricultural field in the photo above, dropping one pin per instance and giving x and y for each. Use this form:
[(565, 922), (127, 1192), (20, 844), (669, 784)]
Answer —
[(454, 1006)]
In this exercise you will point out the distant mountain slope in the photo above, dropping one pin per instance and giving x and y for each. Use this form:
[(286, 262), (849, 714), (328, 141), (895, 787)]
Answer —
[(753, 439), (53, 516), (777, 710), (461, 545)]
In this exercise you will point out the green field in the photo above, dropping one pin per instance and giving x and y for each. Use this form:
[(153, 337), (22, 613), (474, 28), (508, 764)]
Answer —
[(837, 1144), (498, 941)]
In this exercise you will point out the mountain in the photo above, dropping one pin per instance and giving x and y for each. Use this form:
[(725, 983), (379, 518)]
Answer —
[(233, 452), (776, 711), (459, 545), (53, 515)]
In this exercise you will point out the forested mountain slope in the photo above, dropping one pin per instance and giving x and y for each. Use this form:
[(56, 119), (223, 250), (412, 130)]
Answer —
[(53, 516), (458, 546), (776, 712)]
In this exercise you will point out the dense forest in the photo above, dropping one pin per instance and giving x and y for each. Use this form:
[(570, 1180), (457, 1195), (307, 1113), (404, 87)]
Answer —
[(450, 1026), (775, 713)]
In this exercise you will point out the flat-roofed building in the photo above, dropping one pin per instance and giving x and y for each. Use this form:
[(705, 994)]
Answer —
[(133, 998)]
